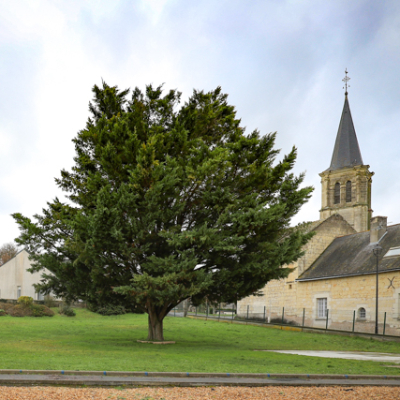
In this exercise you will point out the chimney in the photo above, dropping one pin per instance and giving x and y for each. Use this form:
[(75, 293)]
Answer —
[(378, 228)]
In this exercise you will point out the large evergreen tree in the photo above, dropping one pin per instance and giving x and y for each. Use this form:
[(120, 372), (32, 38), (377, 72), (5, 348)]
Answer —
[(167, 202)]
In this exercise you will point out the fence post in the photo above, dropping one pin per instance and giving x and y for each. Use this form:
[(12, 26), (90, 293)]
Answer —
[(264, 316), (354, 318), (304, 315), (327, 316), (219, 311), (384, 325), (283, 314)]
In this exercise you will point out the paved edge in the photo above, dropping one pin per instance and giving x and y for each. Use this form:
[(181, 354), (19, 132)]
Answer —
[(192, 374), (106, 381), (129, 378)]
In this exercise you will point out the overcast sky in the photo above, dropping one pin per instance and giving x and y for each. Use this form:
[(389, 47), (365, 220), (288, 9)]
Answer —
[(281, 62)]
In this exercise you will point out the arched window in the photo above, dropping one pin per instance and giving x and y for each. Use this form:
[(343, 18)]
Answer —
[(362, 314), (337, 193), (348, 191)]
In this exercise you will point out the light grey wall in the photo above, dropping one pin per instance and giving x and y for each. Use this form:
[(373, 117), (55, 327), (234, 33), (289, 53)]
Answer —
[(14, 273)]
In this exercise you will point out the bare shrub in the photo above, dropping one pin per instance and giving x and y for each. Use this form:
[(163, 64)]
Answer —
[(7, 252), (33, 310)]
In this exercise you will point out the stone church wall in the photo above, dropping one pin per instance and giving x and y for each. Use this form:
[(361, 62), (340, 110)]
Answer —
[(282, 293), (345, 295)]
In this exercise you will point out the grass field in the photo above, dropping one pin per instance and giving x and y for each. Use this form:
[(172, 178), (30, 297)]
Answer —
[(93, 342)]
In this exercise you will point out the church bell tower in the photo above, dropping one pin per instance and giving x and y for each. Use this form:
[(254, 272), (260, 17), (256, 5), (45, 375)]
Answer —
[(346, 184)]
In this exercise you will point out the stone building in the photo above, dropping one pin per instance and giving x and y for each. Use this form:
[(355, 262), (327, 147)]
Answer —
[(334, 283)]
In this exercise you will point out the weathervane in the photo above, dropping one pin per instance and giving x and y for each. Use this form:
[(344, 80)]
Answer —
[(345, 80)]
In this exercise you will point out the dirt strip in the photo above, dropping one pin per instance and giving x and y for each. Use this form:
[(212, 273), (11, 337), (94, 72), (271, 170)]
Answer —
[(201, 393)]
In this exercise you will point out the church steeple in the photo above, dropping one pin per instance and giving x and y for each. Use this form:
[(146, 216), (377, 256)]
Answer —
[(346, 152), (346, 184)]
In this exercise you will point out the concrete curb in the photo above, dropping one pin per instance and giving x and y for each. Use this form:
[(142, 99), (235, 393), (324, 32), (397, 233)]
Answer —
[(129, 378), (193, 374)]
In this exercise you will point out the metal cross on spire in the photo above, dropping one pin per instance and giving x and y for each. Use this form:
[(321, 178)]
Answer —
[(345, 80)]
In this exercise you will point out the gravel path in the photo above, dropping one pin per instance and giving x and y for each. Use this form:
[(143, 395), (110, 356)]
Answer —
[(201, 393)]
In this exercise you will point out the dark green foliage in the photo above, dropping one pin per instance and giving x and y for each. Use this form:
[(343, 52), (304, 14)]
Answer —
[(2, 312), (67, 310), (111, 310), (285, 321), (167, 203), (39, 310)]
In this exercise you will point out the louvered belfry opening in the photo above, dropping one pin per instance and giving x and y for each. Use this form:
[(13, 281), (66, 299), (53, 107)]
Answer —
[(337, 193), (348, 191)]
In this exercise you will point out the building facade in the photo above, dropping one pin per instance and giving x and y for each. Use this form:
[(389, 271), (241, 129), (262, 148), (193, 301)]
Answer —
[(334, 284), (16, 280)]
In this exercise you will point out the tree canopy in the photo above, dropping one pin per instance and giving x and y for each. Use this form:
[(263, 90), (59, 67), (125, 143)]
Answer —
[(167, 202), (7, 252)]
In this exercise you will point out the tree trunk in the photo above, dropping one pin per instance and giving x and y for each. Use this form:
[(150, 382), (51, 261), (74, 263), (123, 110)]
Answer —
[(185, 307), (156, 332)]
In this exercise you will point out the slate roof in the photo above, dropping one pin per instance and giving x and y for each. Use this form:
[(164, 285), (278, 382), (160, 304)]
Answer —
[(352, 255), (346, 152)]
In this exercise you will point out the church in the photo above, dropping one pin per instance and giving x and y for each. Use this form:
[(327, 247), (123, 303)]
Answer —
[(335, 283)]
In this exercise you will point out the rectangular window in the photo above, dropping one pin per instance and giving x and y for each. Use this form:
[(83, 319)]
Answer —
[(18, 292), (398, 306), (322, 306)]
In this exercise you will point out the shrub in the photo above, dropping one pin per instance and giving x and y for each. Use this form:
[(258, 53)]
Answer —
[(67, 311), (19, 311), (111, 310), (25, 301), (92, 307), (39, 310), (2, 312), (285, 321), (34, 310), (49, 301), (7, 307)]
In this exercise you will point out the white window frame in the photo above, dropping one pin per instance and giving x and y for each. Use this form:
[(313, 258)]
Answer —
[(362, 313), (322, 307), (19, 292)]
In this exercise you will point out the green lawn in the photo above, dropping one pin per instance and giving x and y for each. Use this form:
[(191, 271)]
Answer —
[(93, 342)]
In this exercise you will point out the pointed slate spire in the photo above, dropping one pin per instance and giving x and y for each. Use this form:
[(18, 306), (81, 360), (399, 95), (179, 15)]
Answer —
[(346, 152)]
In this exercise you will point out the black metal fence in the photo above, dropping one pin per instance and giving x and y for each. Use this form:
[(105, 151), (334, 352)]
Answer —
[(212, 311), (350, 321)]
